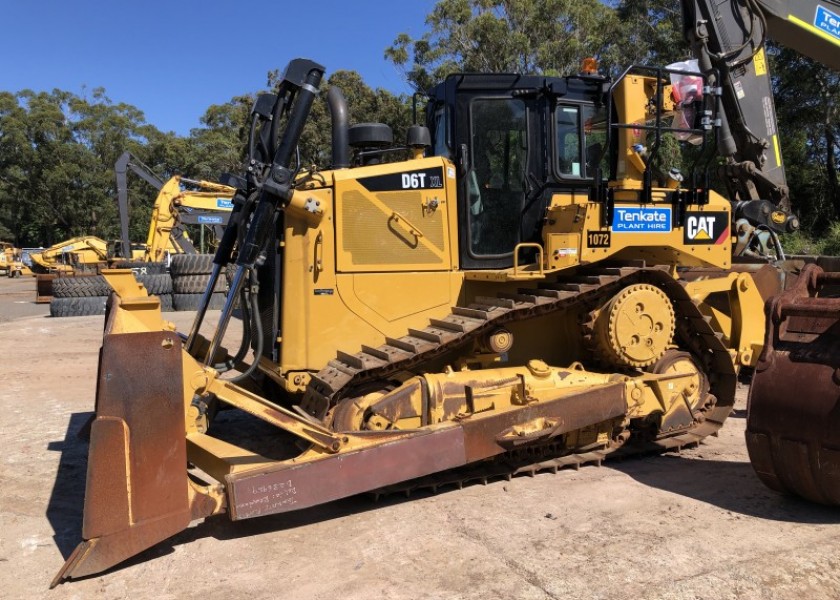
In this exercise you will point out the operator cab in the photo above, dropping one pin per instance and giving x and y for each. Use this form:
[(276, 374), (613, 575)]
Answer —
[(515, 140)]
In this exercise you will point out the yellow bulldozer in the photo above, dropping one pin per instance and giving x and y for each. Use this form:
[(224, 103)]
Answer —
[(532, 287)]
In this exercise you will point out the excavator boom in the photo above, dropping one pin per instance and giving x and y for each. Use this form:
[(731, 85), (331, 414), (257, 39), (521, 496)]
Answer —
[(728, 39), (180, 201)]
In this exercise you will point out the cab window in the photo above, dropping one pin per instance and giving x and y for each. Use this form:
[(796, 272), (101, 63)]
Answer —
[(567, 127), (496, 181), (441, 142), (580, 138)]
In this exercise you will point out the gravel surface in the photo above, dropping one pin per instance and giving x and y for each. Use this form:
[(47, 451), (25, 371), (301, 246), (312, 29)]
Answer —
[(683, 526)]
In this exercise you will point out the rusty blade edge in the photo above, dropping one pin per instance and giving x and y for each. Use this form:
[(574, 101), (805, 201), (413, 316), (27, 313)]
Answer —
[(76, 557)]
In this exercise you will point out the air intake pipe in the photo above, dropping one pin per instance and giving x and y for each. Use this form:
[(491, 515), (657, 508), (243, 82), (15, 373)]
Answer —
[(340, 128)]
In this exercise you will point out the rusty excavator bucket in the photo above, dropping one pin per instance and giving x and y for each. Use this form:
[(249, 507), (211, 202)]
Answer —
[(793, 419)]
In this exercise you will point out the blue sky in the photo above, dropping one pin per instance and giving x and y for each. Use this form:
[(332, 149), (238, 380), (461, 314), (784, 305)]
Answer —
[(173, 59)]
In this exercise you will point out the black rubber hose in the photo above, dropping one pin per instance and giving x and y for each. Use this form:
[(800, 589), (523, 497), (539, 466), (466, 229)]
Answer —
[(258, 330), (245, 344), (252, 138)]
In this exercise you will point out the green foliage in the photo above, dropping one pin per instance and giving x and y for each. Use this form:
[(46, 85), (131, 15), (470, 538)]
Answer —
[(807, 98), (650, 32), (831, 241), (548, 37), (53, 146), (220, 145), (57, 149), (522, 36), (57, 152), (801, 243)]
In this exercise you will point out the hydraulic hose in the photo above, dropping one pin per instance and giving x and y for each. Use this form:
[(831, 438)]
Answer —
[(258, 349), (245, 344)]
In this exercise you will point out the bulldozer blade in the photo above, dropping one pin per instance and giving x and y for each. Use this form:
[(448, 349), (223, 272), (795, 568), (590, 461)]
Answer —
[(793, 414), (137, 491)]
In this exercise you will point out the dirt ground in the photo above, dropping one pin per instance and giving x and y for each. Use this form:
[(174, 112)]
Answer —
[(692, 525)]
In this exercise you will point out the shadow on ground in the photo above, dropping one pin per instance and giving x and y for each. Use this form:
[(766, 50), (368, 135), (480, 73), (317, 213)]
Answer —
[(66, 504), (731, 486)]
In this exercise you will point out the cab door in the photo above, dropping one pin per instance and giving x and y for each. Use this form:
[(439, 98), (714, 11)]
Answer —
[(493, 192)]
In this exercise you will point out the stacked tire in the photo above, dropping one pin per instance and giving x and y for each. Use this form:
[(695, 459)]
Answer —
[(190, 277), (82, 296), (79, 296)]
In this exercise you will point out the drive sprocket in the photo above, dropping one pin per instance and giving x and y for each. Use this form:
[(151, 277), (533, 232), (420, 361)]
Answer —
[(633, 329)]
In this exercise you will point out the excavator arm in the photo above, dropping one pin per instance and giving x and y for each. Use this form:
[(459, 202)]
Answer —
[(181, 201), (728, 39), (125, 162), (87, 248)]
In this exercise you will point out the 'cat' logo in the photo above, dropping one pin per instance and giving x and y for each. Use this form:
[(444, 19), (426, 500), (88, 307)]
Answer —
[(700, 228), (706, 228)]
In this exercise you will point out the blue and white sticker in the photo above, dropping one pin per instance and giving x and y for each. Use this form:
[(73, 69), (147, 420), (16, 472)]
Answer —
[(827, 21), (223, 203), (641, 219), (211, 220)]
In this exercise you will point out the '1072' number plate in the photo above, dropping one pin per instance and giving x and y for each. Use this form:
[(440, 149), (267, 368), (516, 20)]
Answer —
[(598, 239)]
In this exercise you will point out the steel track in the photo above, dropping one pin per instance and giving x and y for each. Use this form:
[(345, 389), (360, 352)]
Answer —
[(586, 289)]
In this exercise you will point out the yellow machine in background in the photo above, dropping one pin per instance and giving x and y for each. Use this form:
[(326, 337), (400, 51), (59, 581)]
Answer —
[(180, 201), (11, 261), (80, 253), (533, 287)]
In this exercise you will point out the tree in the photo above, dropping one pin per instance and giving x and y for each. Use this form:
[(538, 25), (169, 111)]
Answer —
[(56, 170), (808, 110), (650, 32), (523, 36), (220, 144)]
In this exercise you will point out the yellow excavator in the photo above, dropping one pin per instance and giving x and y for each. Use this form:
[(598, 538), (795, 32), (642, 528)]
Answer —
[(80, 256), (82, 253), (180, 201), (532, 287)]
